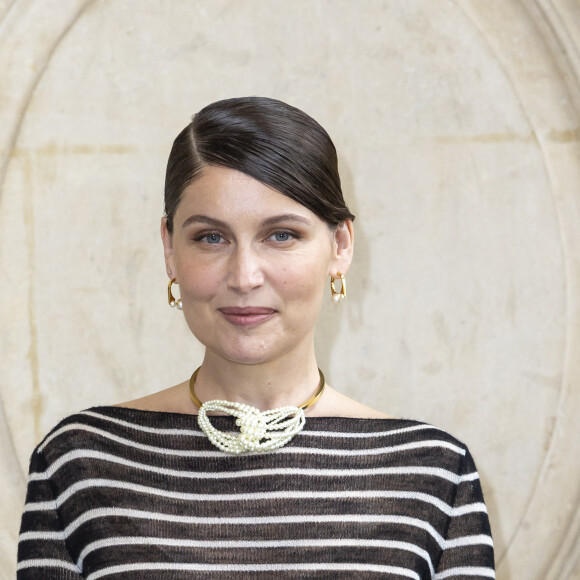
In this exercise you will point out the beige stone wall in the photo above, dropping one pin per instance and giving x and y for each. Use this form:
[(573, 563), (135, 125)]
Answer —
[(458, 129)]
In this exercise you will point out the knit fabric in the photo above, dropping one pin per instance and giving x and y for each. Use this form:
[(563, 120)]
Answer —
[(120, 493)]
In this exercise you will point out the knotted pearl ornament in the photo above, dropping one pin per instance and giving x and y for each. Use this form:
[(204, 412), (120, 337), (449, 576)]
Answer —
[(260, 431)]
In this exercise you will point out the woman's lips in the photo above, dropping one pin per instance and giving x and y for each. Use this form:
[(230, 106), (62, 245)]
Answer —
[(247, 315)]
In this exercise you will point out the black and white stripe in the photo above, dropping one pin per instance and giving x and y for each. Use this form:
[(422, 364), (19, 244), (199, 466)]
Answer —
[(120, 493)]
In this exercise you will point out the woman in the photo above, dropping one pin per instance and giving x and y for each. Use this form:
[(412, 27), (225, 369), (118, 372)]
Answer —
[(280, 476)]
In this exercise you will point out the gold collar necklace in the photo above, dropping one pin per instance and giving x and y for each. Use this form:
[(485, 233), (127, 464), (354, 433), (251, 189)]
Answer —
[(259, 431)]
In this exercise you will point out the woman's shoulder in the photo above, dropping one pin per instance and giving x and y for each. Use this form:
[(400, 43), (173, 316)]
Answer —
[(383, 427), (89, 428), (67, 429), (390, 446), (336, 404), (169, 400), (343, 409)]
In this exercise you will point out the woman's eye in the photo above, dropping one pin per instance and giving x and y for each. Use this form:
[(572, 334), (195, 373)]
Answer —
[(212, 238), (282, 236)]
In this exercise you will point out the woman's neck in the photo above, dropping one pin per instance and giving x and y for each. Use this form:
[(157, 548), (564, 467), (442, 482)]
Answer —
[(264, 385)]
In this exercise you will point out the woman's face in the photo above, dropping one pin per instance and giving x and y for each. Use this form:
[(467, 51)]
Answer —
[(252, 266)]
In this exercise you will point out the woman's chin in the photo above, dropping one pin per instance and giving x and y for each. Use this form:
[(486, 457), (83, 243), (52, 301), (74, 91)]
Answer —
[(247, 358), (247, 354)]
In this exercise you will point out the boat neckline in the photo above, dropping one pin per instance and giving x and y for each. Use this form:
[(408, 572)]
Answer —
[(192, 415)]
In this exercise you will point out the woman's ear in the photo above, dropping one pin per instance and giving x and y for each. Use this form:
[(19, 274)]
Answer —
[(167, 249), (343, 245)]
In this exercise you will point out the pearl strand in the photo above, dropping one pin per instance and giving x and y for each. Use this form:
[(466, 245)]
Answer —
[(260, 431)]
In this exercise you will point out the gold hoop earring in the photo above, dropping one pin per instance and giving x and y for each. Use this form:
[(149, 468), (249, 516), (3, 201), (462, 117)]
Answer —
[(171, 299), (335, 296)]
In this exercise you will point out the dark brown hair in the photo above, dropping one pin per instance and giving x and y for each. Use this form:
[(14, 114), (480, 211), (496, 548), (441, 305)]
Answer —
[(275, 143)]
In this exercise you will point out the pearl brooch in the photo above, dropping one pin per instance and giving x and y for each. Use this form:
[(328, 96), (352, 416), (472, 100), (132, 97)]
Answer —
[(260, 431)]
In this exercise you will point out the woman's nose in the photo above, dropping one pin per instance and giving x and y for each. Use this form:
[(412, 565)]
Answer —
[(245, 270)]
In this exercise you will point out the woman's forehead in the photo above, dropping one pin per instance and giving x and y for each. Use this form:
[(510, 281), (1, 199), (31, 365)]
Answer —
[(225, 191)]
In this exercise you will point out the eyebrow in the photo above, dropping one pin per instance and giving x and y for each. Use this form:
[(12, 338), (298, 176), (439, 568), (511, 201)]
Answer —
[(286, 217), (203, 219), (271, 221)]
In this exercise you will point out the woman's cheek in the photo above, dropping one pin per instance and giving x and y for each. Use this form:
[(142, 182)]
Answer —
[(200, 279)]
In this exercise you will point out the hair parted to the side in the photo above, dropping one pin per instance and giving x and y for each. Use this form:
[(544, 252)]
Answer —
[(271, 141)]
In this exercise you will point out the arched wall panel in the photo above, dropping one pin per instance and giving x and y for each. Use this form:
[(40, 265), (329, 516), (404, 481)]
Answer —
[(457, 125)]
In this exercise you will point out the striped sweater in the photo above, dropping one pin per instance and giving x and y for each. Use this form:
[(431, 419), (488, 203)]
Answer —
[(120, 493)]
